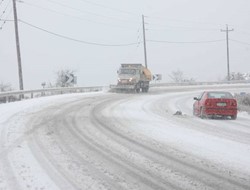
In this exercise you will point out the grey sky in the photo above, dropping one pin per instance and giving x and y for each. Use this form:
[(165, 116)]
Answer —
[(119, 22)]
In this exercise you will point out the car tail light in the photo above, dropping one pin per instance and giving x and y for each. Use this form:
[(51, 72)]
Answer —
[(208, 103), (233, 103)]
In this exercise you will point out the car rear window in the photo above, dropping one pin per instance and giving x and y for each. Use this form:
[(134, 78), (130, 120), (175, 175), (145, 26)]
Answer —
[(220, 95)]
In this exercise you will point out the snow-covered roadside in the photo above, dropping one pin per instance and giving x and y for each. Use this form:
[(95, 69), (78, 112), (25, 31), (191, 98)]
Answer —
[(148, 117), (18, 167), (232, 155)]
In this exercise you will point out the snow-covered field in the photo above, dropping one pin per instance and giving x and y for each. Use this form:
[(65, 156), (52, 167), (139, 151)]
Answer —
[(122, 141)]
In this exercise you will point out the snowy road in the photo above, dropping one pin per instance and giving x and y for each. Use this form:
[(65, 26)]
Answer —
[(121, 141)]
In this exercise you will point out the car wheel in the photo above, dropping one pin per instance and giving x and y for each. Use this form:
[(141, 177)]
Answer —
[(194, 114), (224, 117), (202, 113), (234, 117)]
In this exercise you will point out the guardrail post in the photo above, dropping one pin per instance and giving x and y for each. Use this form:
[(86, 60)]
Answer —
[(21, 96)]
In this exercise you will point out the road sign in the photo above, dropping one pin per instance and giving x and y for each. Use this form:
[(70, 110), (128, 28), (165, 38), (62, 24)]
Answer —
[(69, 78), (157, 77)]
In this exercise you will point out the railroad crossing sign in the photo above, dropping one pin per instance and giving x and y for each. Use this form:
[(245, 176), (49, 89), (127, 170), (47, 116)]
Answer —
[(157, 77)]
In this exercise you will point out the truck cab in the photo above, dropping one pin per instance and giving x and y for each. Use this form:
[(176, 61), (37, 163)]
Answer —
[(133, 77)]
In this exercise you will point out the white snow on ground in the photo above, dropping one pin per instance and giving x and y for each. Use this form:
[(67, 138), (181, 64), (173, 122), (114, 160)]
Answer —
[(13, 143), (224, 152), (147, 118), (212, 148)]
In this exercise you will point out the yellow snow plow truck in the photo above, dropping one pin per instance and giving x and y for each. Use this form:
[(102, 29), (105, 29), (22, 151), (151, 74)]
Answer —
[(132, 77)]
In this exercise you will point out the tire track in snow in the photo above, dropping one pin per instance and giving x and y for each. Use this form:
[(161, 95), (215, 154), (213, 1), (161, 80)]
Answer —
[(72, 168), (227, 131), (81, 146), (215, 127), (112, 158), (201, 172)]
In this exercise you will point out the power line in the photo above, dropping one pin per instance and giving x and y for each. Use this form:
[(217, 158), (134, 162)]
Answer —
[(4, 11), (1, 2), (185, 28), (73, 39), (75, 17), (183, 21), (243, 32), (187, 42), (138, 37), (111, 8), (1, 27), (91, 13), (133, 54), (182, 28), (240, 42), (6, 19)]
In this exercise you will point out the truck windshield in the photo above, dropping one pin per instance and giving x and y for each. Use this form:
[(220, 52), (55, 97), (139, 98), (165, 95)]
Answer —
[(128, 71)]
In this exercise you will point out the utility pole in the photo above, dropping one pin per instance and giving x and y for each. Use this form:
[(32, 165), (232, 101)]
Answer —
[(228, 68), (20, 73), (144, 42)]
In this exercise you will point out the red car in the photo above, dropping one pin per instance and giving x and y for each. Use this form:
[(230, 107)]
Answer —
[(215, 104)]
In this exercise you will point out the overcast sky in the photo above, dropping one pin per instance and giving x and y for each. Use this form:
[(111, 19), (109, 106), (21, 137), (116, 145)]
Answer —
[(181, 34)]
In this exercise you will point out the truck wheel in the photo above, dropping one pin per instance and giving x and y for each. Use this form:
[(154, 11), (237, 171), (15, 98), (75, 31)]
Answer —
[(145, 89)]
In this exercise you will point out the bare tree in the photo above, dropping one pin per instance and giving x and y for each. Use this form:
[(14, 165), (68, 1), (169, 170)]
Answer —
[(5, 87), (239, 76), (65, 78), (177, 76)]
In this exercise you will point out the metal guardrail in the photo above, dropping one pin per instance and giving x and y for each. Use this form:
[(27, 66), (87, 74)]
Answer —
[(198, 83), (25, 94)]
